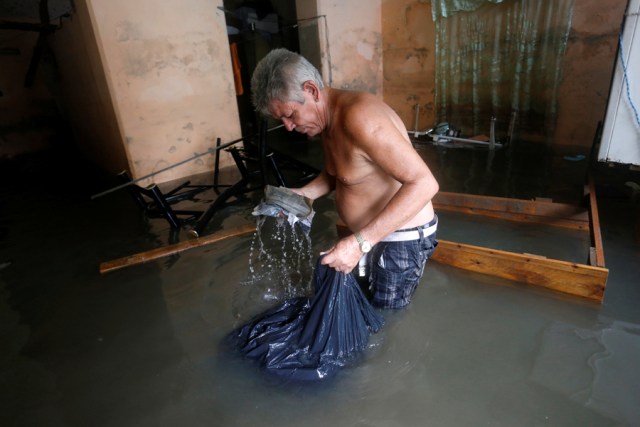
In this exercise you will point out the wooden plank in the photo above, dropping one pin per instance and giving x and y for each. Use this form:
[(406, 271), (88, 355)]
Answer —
[(594, 229), (539, 211), (562, 276), (154, 254)]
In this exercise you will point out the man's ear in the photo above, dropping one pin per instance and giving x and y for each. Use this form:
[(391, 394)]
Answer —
[(312, 88)]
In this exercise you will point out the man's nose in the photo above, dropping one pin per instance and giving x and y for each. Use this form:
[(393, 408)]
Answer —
[(288, 124)]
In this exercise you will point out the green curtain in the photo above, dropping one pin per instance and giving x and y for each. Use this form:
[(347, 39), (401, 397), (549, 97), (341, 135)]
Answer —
[(498, 58), (444, 8)]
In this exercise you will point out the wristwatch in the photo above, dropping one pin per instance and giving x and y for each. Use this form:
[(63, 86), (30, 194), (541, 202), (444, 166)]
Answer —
[(365, 246)]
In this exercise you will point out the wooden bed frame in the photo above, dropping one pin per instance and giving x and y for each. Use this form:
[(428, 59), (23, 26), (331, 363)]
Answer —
[(584, 280)]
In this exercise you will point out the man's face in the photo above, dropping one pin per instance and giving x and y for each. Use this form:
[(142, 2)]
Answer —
[(303, 118)]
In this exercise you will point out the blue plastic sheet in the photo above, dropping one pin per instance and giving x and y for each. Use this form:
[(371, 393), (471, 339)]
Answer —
[(312, 338)]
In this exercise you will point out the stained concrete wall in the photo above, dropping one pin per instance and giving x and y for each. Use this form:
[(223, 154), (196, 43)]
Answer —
[(168, 70), (352, 58), (83, 93), (408, 39), (143, 84), (147, 84)]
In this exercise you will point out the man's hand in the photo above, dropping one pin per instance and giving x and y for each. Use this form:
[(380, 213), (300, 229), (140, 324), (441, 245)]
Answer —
[(344, 256), (298, 191)]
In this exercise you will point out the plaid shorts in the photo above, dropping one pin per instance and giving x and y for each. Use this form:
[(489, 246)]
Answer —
[(396, 267)]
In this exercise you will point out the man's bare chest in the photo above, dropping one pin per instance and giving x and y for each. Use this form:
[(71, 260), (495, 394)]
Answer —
[(346, 163)]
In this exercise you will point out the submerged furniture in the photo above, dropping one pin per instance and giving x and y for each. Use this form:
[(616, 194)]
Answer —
[(156, 204), (258, 165), (586, 279)]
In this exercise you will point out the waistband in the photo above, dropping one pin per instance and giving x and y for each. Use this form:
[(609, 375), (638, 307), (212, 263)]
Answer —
[(413, 233)]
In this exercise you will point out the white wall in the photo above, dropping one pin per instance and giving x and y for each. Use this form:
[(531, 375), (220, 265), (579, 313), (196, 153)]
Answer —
[(621, 132)]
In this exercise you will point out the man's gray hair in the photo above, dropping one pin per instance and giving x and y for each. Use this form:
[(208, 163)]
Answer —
[(279, 76)]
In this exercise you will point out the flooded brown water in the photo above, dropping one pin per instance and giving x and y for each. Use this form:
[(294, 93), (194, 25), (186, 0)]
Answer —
[(142, 346)]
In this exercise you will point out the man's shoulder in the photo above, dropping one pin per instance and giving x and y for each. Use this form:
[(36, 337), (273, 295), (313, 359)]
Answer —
[(355, 98), (359, 106)]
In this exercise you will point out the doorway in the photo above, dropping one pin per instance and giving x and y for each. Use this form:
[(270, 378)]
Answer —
[(254, 28)]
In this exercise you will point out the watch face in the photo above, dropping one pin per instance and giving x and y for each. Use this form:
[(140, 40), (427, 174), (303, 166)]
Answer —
[(365, 247)]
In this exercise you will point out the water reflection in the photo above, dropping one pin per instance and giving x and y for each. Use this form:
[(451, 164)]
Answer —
[(521, 170), (592, 365), (470, 348)]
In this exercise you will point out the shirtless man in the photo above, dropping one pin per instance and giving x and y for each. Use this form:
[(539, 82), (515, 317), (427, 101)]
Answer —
[(383, 189)]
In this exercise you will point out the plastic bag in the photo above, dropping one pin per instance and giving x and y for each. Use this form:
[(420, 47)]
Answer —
[(281, 202), (312, 338)]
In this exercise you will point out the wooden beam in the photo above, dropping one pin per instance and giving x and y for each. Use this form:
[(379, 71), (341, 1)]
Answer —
[(539, 211), (153, 254), (562, 276), (597, 251)]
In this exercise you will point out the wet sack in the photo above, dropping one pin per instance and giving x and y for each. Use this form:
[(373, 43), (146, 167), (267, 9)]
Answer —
[(281, 202), (311, 338)]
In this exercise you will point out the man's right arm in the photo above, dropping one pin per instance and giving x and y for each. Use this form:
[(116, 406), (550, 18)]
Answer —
[(321, 185)]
